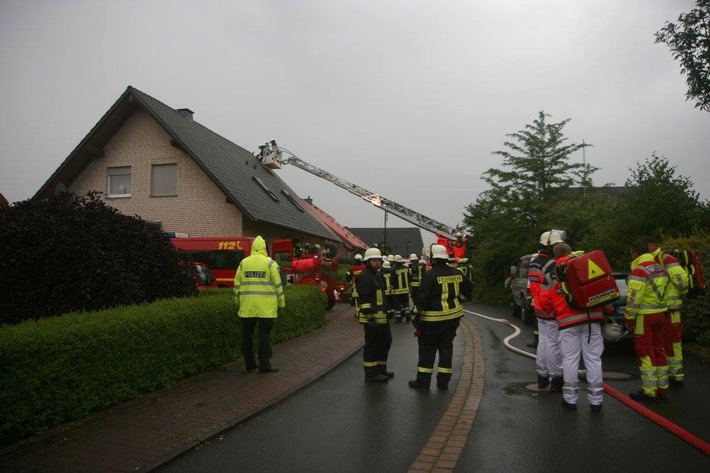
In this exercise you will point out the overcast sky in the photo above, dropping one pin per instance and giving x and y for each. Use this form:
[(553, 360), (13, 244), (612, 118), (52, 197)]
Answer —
[(404, 98)]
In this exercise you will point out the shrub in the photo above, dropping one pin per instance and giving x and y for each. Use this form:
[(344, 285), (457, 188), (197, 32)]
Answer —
[(63, 368), (70, 253)]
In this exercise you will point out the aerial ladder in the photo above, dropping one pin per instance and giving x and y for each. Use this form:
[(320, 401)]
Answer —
[(272, 156)]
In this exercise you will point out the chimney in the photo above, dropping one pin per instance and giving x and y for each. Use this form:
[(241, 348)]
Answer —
[(309, 200), (186, 112)]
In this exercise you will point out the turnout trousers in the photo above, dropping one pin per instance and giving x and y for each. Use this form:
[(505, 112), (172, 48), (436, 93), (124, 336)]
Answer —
[(650, 353), (378, 340), (436, 337), (549, 358), (673, 338), (583, 341)]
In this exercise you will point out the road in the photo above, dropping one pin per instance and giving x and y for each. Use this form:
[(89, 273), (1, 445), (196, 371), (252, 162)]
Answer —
[(339, 423)]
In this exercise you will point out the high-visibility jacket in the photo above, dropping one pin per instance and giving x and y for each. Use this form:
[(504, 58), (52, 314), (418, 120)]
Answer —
[(400, 279), (417, 269), (371, 297), (441, 292), (553, 301), (387, 276), (257, 284), (678, 279), (647, 283), (351, 276), (541, 276)]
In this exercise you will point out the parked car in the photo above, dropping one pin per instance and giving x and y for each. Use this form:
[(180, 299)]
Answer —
[(620, 303), (518, 288)]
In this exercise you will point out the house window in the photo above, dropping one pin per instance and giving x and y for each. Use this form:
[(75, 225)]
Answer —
[(266, 189), (163, 180), (292, 200), (119, 181)]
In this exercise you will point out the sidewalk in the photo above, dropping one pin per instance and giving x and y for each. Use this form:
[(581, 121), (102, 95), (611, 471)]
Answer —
[(145, 432)]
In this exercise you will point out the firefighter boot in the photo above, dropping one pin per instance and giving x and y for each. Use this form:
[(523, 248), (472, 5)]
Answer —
[(422, 381), (372, 376), (382, 369), (533, 344), (542, 382), (556, 384)]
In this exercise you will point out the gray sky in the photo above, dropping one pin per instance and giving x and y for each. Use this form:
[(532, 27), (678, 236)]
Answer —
[(404, 98)]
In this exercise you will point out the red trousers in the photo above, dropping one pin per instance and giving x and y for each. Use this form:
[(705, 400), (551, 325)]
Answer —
[(651, 354)]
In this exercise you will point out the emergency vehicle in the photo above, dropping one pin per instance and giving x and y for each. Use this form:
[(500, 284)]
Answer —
[(223, 255)]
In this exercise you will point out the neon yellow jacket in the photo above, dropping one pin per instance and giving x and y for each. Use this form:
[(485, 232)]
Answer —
[(648, 282), (257, 284), (678, 278)]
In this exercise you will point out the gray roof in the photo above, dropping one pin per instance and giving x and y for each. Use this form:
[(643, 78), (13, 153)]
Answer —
[(403, 241), (230, 166)]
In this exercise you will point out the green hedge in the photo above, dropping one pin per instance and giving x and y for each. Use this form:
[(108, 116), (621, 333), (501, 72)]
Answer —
[(63, 368)]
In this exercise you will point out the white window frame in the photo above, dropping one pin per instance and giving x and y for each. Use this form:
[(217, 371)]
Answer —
[(113, 174), (164, 166)]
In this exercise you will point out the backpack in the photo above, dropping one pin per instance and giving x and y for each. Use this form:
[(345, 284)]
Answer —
[(586, 281), (689, 260)]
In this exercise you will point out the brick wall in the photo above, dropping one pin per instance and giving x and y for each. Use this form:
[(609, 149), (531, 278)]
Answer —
[(199, 208)]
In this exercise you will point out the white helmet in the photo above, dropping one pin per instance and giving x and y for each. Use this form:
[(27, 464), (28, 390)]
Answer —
[(613, 331), (413, 256), (458, 235), (390, 258), (372, 253), (386, 264), (357, 257), (553, 237), (398, 259), (439, 252)]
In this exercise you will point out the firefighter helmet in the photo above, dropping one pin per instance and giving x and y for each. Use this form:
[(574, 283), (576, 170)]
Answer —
[(552, 237), (390, 258), (613, 331), (398, 259), (357, 257), (439, 252), (413, 256), (386, 264), (372, 253)]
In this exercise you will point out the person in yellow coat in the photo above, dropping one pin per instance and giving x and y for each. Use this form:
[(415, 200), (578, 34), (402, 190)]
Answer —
[(260, 294)]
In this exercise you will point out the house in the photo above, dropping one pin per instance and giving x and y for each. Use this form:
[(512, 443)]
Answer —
[(399, 241), (4, 204), (159, 163), (350, 242)]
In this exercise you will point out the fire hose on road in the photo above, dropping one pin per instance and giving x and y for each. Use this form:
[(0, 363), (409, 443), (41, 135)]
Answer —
[(683, 434)]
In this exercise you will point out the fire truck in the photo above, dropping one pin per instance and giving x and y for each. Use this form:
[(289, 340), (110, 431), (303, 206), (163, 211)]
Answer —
[(223, 255), (272, 156)]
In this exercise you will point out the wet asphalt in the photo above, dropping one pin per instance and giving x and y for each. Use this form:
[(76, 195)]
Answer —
[(340, 423)]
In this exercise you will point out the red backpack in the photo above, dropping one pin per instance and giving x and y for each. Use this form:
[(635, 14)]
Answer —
[(688, 259), (586, 281)]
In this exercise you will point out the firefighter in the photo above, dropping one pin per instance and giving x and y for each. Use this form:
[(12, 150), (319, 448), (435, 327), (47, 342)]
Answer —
[(400, 280), (372, 314), (673, 330), (417, 268), (438, 313), (580, 335), (458, 247), (541, 272), (645, 315), (386, 271), (351, 275), (260, 295)]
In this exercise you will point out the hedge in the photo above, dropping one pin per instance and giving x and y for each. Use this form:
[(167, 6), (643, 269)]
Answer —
[(60, 369)]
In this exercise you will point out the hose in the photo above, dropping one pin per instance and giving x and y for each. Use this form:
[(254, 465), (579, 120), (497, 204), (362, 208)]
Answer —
[(683, 434)]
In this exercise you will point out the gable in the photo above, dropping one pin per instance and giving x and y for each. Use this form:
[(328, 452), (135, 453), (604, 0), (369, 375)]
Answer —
[(259, 193)]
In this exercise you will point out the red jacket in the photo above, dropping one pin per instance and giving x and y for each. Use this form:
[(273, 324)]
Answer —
[(553, 301)]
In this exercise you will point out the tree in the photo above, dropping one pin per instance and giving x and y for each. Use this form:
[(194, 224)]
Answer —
[(689, 42), (660, 201), (70, 253), (535, 168)]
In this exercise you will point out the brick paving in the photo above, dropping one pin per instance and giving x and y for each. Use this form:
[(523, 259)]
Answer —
[(143, 433), (446, 443)]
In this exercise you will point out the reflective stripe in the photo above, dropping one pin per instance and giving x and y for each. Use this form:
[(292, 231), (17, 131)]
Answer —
[(423, 369), (445, 370), (369, 364)]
